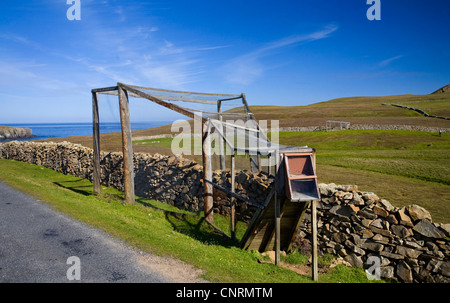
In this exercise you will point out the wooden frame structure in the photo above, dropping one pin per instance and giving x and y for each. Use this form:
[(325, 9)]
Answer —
[(123, 91), (276, 221)]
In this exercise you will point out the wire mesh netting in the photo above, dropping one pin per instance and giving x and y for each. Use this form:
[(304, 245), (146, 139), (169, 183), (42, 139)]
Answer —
[(231, 124), (208, 105), (231, 129), (246, 137)]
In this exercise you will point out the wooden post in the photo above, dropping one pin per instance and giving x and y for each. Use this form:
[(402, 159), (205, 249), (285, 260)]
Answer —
[(232, 201), (96, 144), (221, 140), (259, 163), (277, 229), (244, 101), (315, 273), (277, 213), (207, 173), (128, 171)]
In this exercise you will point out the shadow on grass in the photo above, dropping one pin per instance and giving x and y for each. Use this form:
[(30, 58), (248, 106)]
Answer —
[(190, 224), (199, 229), (79, 189)]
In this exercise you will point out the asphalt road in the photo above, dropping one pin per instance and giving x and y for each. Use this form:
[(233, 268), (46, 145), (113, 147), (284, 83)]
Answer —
[(36, 243)]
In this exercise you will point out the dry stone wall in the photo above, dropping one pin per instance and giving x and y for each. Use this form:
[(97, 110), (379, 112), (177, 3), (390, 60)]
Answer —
[(354, 225), (169, 179), (420, 111), (368, 127), (401, 127), (357, 225)]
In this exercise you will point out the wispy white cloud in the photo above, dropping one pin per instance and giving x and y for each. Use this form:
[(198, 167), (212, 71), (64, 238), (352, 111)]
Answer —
[(169, 48), (248, 67), (170, 75), (16, 73), (22, 40), (26, 75), (121, 14), (145, 55), (211, 48), (297, 39), (388, 61), (109, 52)]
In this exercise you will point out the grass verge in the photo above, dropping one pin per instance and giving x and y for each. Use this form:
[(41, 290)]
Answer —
[(154, 227)]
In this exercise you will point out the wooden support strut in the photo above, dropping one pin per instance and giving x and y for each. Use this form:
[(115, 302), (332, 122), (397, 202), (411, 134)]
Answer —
[(221, 140), (315, 272), (207, 173), (96, 144), (277, 218), (232, 200), (236, 196), (277, 229), (159, 101), (279, 208), (126, 146)]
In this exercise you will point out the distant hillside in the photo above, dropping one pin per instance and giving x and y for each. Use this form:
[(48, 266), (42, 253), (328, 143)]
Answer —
[(443, 89), (362, 110), (356, 110)]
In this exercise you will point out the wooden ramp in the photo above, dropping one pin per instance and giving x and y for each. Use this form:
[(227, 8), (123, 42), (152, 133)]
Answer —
[(260, 234), (296, 184)]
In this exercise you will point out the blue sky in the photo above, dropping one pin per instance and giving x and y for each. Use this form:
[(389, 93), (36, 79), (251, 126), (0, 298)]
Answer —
[(277, 52)]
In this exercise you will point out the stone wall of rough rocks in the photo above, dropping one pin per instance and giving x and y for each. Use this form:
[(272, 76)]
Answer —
[(352, 224), (356, 225), (401, 127), (169, 179), (420, 111), (368, 127)]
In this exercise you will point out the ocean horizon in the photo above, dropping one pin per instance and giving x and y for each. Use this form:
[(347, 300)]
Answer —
[(59, 130)]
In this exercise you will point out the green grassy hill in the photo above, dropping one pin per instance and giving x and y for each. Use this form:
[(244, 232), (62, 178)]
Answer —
[(362, 110), (404, 167), (357, 110)]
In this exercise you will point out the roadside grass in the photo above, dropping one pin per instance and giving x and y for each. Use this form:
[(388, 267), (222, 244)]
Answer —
[(158, 228)]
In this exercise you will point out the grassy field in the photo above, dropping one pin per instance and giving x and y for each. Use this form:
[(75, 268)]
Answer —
[(419, 155), (160, 229), (357, 110), (404, 167), (436, 106)]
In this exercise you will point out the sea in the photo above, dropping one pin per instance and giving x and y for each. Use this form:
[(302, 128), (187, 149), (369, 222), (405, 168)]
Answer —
[(57, 130)]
